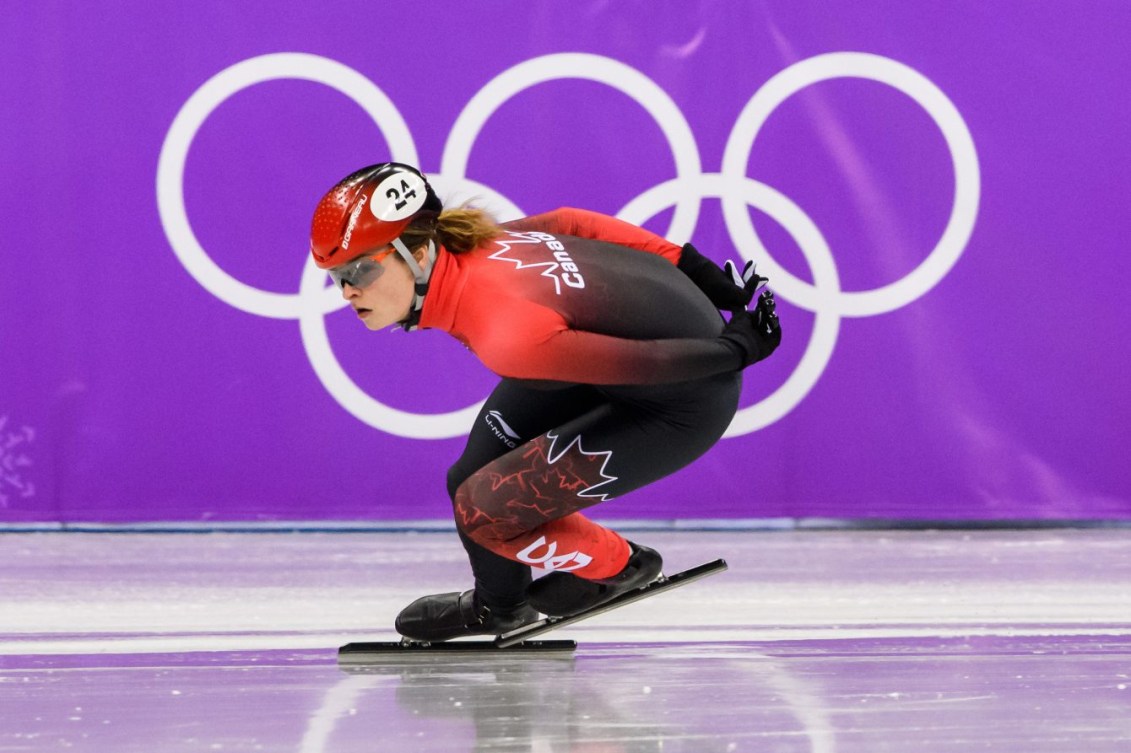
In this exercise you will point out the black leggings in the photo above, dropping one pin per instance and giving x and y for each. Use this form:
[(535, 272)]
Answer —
[(633, 435)]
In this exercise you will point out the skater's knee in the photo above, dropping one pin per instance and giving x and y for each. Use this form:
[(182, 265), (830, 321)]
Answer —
[(489, 535), (481, 526), (469, 517), (477, 525)]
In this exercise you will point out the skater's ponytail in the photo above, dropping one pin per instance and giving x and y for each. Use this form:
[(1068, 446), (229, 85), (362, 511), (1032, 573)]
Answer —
[(457, 230)]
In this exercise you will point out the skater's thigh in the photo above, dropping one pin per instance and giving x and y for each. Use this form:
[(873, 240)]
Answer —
[(636, 442), (513, 414), (615, 447)]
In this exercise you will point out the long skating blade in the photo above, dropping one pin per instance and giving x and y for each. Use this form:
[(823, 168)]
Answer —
[(547, 624), (386, 651)]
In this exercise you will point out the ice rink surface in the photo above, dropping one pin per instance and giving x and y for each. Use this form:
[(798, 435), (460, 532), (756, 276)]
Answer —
[(812, 642)]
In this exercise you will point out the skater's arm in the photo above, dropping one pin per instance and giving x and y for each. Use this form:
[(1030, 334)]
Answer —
[(536, 343), (582, 223), (568, 355), (590, 358)]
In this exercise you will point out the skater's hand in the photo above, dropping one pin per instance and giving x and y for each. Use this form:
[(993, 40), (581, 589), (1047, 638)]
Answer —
[(755, 334), (727, 289), (748, 280)]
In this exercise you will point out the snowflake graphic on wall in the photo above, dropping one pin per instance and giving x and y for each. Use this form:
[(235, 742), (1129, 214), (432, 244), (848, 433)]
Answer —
[(14, 462)]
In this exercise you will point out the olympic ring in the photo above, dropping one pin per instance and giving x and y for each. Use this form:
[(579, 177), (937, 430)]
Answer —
[(958, 139), (174, 153), (816, 250), (685, 192), (594, 68)]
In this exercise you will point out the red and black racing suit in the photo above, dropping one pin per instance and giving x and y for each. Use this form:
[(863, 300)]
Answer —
[(613, 377)]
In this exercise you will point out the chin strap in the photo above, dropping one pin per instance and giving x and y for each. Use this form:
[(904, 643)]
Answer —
[(410, 322)]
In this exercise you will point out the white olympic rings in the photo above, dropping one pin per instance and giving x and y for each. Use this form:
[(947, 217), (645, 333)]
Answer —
[(685, 192)]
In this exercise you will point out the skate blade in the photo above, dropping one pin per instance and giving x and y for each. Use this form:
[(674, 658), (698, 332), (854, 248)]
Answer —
[(361, 654), (516, 637)]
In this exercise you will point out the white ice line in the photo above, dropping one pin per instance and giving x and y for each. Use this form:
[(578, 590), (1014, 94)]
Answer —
[(207, 643), (447, 526)]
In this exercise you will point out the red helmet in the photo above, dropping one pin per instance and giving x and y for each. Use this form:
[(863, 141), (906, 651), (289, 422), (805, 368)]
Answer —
[(368, 209)]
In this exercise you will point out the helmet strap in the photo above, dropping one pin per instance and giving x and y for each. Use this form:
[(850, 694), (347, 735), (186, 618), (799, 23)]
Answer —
[(421, 276)]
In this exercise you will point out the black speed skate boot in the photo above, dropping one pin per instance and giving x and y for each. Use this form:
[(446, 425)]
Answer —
[(441, 617), (564, 594)]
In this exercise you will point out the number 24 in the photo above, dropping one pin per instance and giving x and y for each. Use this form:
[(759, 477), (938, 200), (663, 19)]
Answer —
[(395, 195)]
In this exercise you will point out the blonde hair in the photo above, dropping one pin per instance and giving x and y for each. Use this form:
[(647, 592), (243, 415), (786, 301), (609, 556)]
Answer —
[(458, 230)]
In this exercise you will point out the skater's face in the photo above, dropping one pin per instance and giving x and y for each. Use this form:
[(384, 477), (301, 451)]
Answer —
[(379, 286)]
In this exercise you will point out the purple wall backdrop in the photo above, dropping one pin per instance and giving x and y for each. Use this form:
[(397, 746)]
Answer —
[(941, 190)]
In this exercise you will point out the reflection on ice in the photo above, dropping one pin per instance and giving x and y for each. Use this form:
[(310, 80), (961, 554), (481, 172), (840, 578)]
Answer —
[(817, 643)]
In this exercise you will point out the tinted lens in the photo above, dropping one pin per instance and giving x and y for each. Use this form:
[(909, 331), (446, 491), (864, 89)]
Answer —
[(359, 273)]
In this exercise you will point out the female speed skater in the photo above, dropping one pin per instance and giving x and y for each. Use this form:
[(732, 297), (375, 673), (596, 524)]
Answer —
[(617, 370)]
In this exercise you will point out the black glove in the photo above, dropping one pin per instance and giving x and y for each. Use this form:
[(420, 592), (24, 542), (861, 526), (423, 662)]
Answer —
[(727, 290), (754, 335)]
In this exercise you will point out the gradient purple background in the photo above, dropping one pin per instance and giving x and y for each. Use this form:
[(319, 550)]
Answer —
[(128, 392)]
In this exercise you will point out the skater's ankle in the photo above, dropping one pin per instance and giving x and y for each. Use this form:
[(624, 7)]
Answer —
[(643, 563), (499, 606)]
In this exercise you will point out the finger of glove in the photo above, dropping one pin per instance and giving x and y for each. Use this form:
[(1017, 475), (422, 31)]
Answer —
[(757, 288), (733, 273), (774, 329), (741, 278), (764, 320), (775, 333), (769, 336), (754, 283), (767, 312), (748, 271), (744, 288)]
